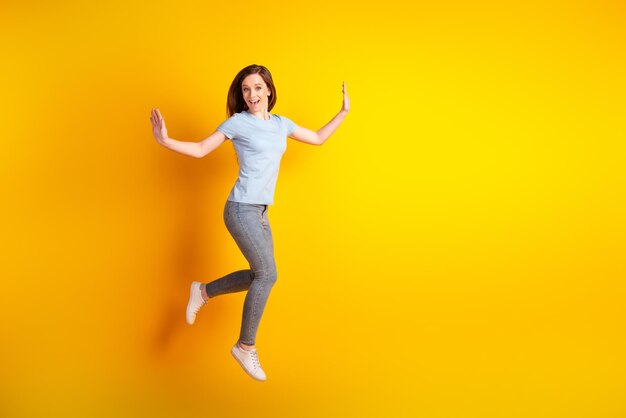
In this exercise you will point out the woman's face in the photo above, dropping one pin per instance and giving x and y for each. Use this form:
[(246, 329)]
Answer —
[(255, 92)]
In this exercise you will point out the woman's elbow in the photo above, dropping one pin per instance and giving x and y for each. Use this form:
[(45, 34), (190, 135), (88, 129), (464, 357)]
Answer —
[(199, 152)]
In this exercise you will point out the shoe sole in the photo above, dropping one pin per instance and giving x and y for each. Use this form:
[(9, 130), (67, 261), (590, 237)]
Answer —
[(232, 351)]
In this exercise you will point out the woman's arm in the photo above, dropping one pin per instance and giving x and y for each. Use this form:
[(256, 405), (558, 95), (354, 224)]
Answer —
[(192, 149), (320, 136), (213, 141)]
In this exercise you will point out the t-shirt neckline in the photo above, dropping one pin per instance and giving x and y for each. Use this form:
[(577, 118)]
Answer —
[(262, 120)]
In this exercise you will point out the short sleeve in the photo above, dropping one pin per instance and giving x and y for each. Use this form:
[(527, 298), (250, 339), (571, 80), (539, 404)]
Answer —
[(289, 124), (229, 127)]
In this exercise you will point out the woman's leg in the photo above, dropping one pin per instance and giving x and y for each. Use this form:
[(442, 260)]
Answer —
[(250, 228), (236, 281)]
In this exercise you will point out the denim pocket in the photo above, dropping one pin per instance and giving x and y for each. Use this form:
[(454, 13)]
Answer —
[(253, 209)]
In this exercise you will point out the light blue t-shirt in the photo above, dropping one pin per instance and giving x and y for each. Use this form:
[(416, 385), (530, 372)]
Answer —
[(260, 145)]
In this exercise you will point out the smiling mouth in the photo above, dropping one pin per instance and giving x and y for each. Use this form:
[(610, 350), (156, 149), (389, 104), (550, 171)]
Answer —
[(257, 102)]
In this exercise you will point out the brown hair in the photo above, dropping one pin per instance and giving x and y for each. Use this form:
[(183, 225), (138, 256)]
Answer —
[(235, 102)]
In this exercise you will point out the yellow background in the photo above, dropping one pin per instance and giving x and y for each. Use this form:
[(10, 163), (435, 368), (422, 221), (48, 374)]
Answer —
[(455, 249)]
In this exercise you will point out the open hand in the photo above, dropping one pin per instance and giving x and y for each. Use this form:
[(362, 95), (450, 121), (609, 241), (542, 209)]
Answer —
[(346, 100), (158, 126)]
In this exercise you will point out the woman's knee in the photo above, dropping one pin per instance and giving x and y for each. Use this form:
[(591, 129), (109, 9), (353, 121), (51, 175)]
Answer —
[(273, 276), (270, 276)]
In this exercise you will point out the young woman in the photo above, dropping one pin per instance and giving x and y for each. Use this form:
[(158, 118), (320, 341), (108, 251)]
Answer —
[(260, 139)]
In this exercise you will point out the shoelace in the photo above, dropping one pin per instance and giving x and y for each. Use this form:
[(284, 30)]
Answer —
[(202, 303), (255, 359)]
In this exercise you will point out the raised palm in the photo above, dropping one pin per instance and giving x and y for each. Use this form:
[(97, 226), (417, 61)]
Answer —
[(346, 100), (158, 126)]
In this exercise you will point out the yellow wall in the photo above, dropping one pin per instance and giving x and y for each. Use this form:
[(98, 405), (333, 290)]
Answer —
[(456, 248)]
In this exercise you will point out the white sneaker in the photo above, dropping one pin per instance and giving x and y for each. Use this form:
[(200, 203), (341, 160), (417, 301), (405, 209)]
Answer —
[(195, 302), (249, 360)]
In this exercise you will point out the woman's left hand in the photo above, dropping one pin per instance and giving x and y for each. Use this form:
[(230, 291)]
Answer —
[(346, 100)]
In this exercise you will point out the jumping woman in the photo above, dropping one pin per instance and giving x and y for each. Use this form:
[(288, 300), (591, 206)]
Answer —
[(260, 139)]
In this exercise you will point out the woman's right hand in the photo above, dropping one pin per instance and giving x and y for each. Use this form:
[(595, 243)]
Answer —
[(158, 126)]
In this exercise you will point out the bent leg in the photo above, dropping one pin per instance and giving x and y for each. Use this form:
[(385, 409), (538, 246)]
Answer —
[(236, 281), (248, 225)]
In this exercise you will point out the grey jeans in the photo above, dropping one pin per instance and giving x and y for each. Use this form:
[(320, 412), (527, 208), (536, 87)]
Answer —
[(249, 226)]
